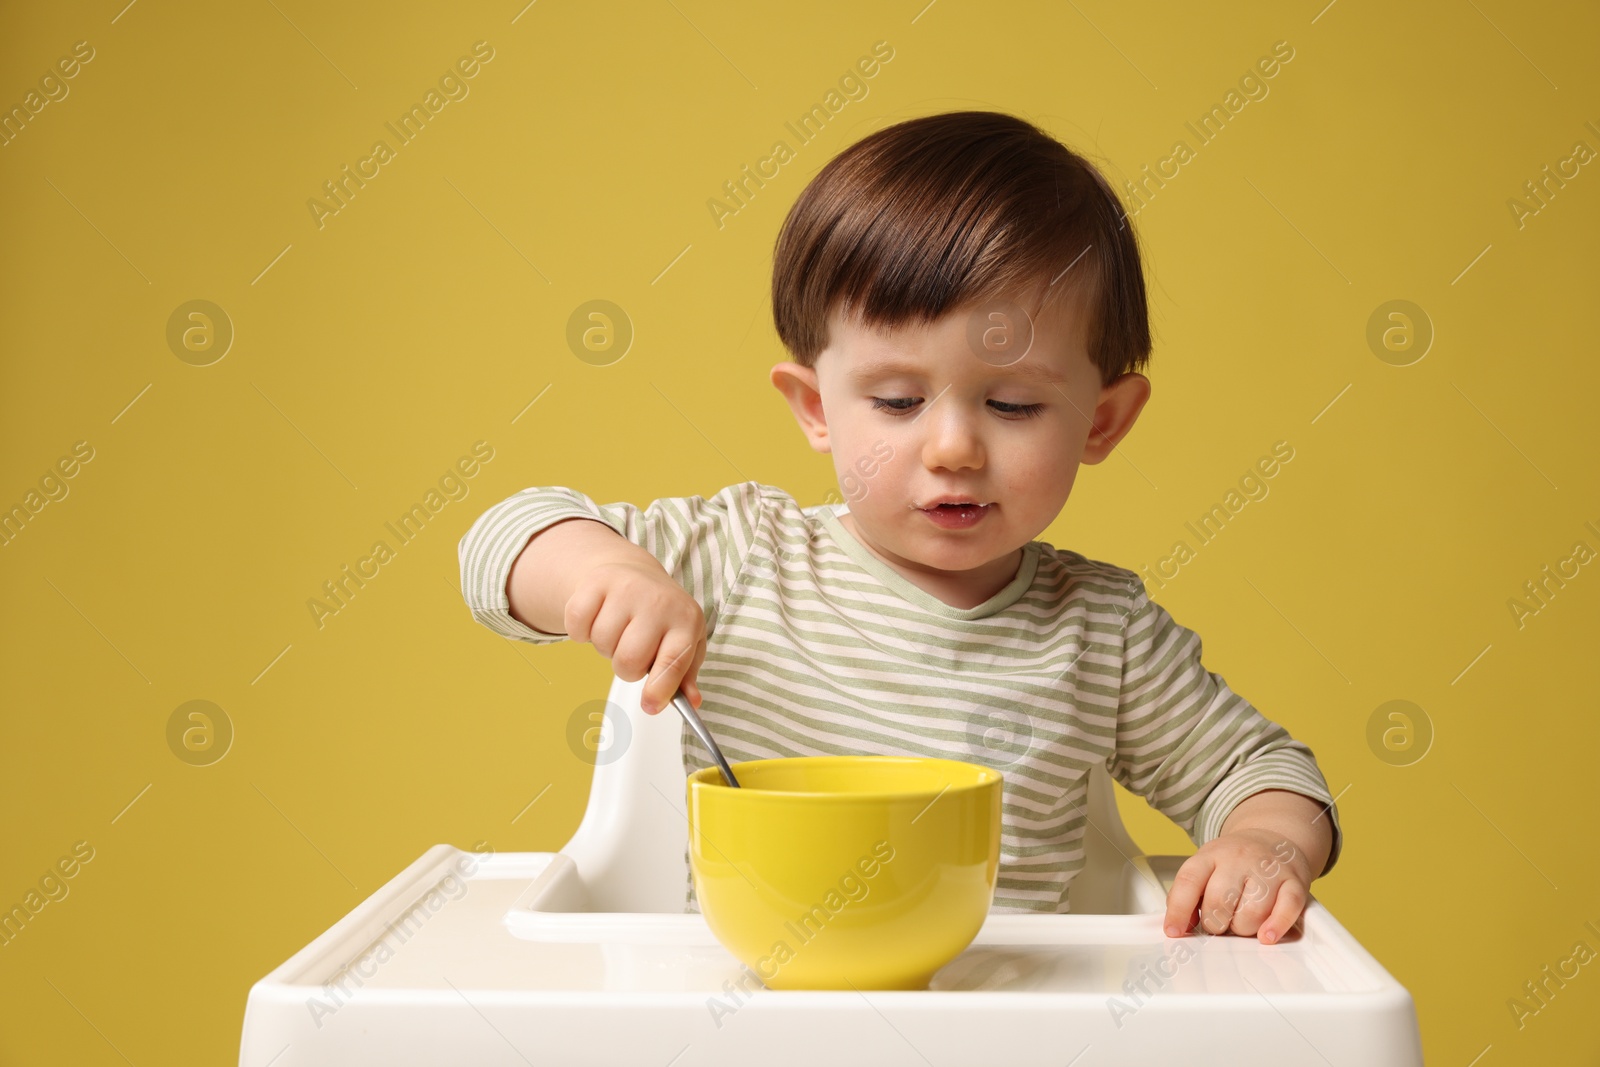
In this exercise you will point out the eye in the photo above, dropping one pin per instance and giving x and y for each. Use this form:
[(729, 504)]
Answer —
[(1027, 411), (906, 403)]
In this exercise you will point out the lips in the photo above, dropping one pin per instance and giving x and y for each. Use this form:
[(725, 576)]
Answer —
[(967, 501), (952, 514)]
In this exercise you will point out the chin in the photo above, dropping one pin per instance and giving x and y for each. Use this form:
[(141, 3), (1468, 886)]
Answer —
[(943, 552)]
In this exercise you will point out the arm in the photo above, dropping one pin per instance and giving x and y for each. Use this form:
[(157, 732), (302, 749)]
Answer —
[(1197, 751), (700, 543), (582, 575), (553, 563), (1299, 819), (643, 585), (1246, 792)]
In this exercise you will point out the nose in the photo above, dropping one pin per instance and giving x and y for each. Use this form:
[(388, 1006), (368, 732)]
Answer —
[(951, 441)]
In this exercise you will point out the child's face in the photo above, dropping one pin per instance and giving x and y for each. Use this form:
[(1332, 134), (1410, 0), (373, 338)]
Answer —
[(962, 429)]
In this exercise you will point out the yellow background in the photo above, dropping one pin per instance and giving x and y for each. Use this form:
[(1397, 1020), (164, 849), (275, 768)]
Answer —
[(372, 352)]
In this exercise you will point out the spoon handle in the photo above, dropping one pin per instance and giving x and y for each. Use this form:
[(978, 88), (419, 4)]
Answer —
[(692, 717)]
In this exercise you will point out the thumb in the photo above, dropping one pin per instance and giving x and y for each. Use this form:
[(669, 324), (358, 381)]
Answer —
[(690, 688)]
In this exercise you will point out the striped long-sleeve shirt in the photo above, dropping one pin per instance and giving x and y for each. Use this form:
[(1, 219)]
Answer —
[(817, 647)]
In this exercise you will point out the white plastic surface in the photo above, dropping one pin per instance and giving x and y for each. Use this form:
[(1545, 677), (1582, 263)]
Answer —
[(582, 957)]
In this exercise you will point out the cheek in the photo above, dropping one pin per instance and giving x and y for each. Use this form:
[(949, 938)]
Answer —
[(1045, 464), (853, 440), (871, 468)]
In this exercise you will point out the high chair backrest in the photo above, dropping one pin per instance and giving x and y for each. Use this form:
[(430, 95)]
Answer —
[(630, 846)]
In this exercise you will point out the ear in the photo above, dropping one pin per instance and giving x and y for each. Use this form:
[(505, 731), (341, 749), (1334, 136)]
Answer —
[(1119, 406), (799, 387)]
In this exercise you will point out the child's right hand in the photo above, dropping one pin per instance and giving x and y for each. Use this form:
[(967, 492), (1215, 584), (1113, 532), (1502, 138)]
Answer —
[(641, 619)]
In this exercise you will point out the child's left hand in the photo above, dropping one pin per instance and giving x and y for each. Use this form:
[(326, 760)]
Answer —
[(1248, 881)]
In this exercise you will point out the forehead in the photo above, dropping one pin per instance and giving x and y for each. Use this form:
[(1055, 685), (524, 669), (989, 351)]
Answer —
[(1034, 367), (1055, 346)]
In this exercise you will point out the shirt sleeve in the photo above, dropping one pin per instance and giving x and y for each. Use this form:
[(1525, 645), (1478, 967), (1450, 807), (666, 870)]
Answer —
[(1190, 745), (700, 541)]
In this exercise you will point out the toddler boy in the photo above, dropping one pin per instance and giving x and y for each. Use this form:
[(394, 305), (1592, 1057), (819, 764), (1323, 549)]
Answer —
[(963, 300)]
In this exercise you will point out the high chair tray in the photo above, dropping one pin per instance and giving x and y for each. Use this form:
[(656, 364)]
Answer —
[(493, 967)]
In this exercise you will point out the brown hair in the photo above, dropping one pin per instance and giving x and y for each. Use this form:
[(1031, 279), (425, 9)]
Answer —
[(967, 206)]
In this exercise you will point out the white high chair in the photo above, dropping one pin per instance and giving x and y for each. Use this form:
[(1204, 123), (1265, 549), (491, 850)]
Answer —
[(586, 956), (628, 850)]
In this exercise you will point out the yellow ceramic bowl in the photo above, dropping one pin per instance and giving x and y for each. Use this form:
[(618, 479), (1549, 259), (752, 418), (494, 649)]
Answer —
[(839, 872)]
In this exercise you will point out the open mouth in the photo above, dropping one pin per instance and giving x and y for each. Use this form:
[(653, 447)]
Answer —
[(957, 515)]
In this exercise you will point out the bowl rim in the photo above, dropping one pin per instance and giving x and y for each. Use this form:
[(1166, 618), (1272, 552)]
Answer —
[(711, 778)]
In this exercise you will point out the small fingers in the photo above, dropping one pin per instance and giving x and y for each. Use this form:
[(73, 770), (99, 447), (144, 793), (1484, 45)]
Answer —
[(580, 613), (673, 659), (1255, 904), (1184, 896), (1291, 902), (1222, 898), (691, 685), (636, 648)]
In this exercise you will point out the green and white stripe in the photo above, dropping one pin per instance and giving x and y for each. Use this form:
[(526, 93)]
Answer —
[(817, 647)]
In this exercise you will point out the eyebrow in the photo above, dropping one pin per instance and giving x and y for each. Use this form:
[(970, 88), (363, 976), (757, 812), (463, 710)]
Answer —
[(1036, 372)]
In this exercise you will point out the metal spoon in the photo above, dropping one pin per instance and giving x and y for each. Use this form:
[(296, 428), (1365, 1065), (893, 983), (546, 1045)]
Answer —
[(692, 717)]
